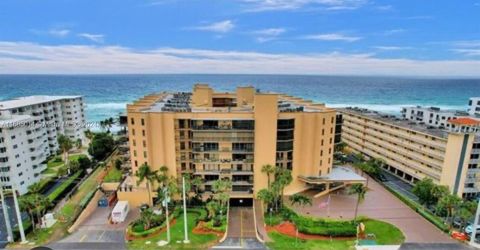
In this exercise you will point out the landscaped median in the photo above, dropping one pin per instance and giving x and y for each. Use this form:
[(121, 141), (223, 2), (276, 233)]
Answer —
[(289, 230), (200, 237)]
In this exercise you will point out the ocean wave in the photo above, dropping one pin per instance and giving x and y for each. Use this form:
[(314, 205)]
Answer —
[(107, 105), (393, 108)]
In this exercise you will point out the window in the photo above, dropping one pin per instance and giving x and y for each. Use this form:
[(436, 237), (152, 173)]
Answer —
[(143, 132), (145, 154), (143, 122), (133, 132), (132, 121)]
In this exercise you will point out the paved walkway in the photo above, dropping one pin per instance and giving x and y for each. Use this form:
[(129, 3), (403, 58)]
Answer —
[(379, 204), (259, 215)]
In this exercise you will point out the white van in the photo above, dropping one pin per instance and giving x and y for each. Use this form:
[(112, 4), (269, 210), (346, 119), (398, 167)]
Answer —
[(120, 212)]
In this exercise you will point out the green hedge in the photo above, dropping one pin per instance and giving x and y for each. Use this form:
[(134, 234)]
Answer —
[(320, 226), (419, 209), (85, 200), (59, 190), (202, 214)]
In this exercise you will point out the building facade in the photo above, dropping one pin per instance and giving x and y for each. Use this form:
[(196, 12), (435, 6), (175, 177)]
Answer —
[(231, 135), (432, 116), (413, 151), (29, 128), (474, 106)]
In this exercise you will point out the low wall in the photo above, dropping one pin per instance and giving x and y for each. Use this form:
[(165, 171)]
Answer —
[(135, 197), (110, 186), (89, 209)]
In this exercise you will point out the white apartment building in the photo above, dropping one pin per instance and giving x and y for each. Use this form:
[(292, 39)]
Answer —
[(29, 127), (474, 106), (431, 116)]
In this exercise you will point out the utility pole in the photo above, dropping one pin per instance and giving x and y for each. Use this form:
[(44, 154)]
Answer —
[(19, 216), (165, 202), (475, 225), (185, 212), (6, 215)]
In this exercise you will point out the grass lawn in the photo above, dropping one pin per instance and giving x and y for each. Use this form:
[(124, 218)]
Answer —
[(53, 165), (385, 233), (114, 175), (197, 241), (282, 242)]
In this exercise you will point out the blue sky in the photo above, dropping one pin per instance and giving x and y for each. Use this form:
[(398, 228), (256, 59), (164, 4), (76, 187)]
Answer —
[(365, 37)]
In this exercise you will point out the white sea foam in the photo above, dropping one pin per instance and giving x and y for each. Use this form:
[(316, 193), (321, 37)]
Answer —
[(107, 105), (391, 109)]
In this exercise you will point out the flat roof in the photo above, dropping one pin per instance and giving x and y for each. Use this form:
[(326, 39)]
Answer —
[(396, 121), (32, 100), (337, 174)]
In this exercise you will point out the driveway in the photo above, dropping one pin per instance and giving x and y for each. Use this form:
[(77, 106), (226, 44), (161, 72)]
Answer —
[(241, 231), (97, 233), (379, 204)]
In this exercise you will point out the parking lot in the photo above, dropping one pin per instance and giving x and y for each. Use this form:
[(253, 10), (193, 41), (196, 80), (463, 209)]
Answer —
[(97, 233)]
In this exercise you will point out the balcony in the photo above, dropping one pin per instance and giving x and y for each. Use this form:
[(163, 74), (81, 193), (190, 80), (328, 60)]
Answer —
[(232, 136)]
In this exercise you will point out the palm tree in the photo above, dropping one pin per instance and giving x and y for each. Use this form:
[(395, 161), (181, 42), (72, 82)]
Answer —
[(27, 204), (283, 177), (266, 196), (65, 145), (147, 216), (302, 200), (450, 202), (162, 178), (360, 190), (144, 173), (269, 170), (89, 134)]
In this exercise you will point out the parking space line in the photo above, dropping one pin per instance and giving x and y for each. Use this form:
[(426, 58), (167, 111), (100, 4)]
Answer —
[(83, 238), (101, 235)]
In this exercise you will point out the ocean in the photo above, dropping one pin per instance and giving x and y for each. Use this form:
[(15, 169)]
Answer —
[(107, 95)]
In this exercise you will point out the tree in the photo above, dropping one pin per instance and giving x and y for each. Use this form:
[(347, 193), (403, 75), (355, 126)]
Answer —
[(147, 217), (73, 166), (299, 199), (220, 190), (423, 190), (144, 173), (339, 147), (360, 190), (438, 191), (89, 134), (84, 162), (78, 143), (450, 203), (118, 164), (101, 145), (283, 178), (65, 145), (267, 197), (269, 170)]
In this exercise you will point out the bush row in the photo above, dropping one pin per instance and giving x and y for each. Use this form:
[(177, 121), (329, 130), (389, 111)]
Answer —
[(320, 226), (60, 189)]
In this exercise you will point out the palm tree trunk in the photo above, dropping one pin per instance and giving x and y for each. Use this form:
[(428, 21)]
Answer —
[(149, 195), (356, 208)]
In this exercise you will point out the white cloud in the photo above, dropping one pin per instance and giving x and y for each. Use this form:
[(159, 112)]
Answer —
[(60, 33), (394, 32), (277, 5), (219, 27), (265, 35), (391, 48), (468, 52), (22, 57), (332, 37), (384, 7), (98, 38)]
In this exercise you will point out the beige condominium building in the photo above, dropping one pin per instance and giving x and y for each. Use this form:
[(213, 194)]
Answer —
[(414, 151), (230, 135)]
